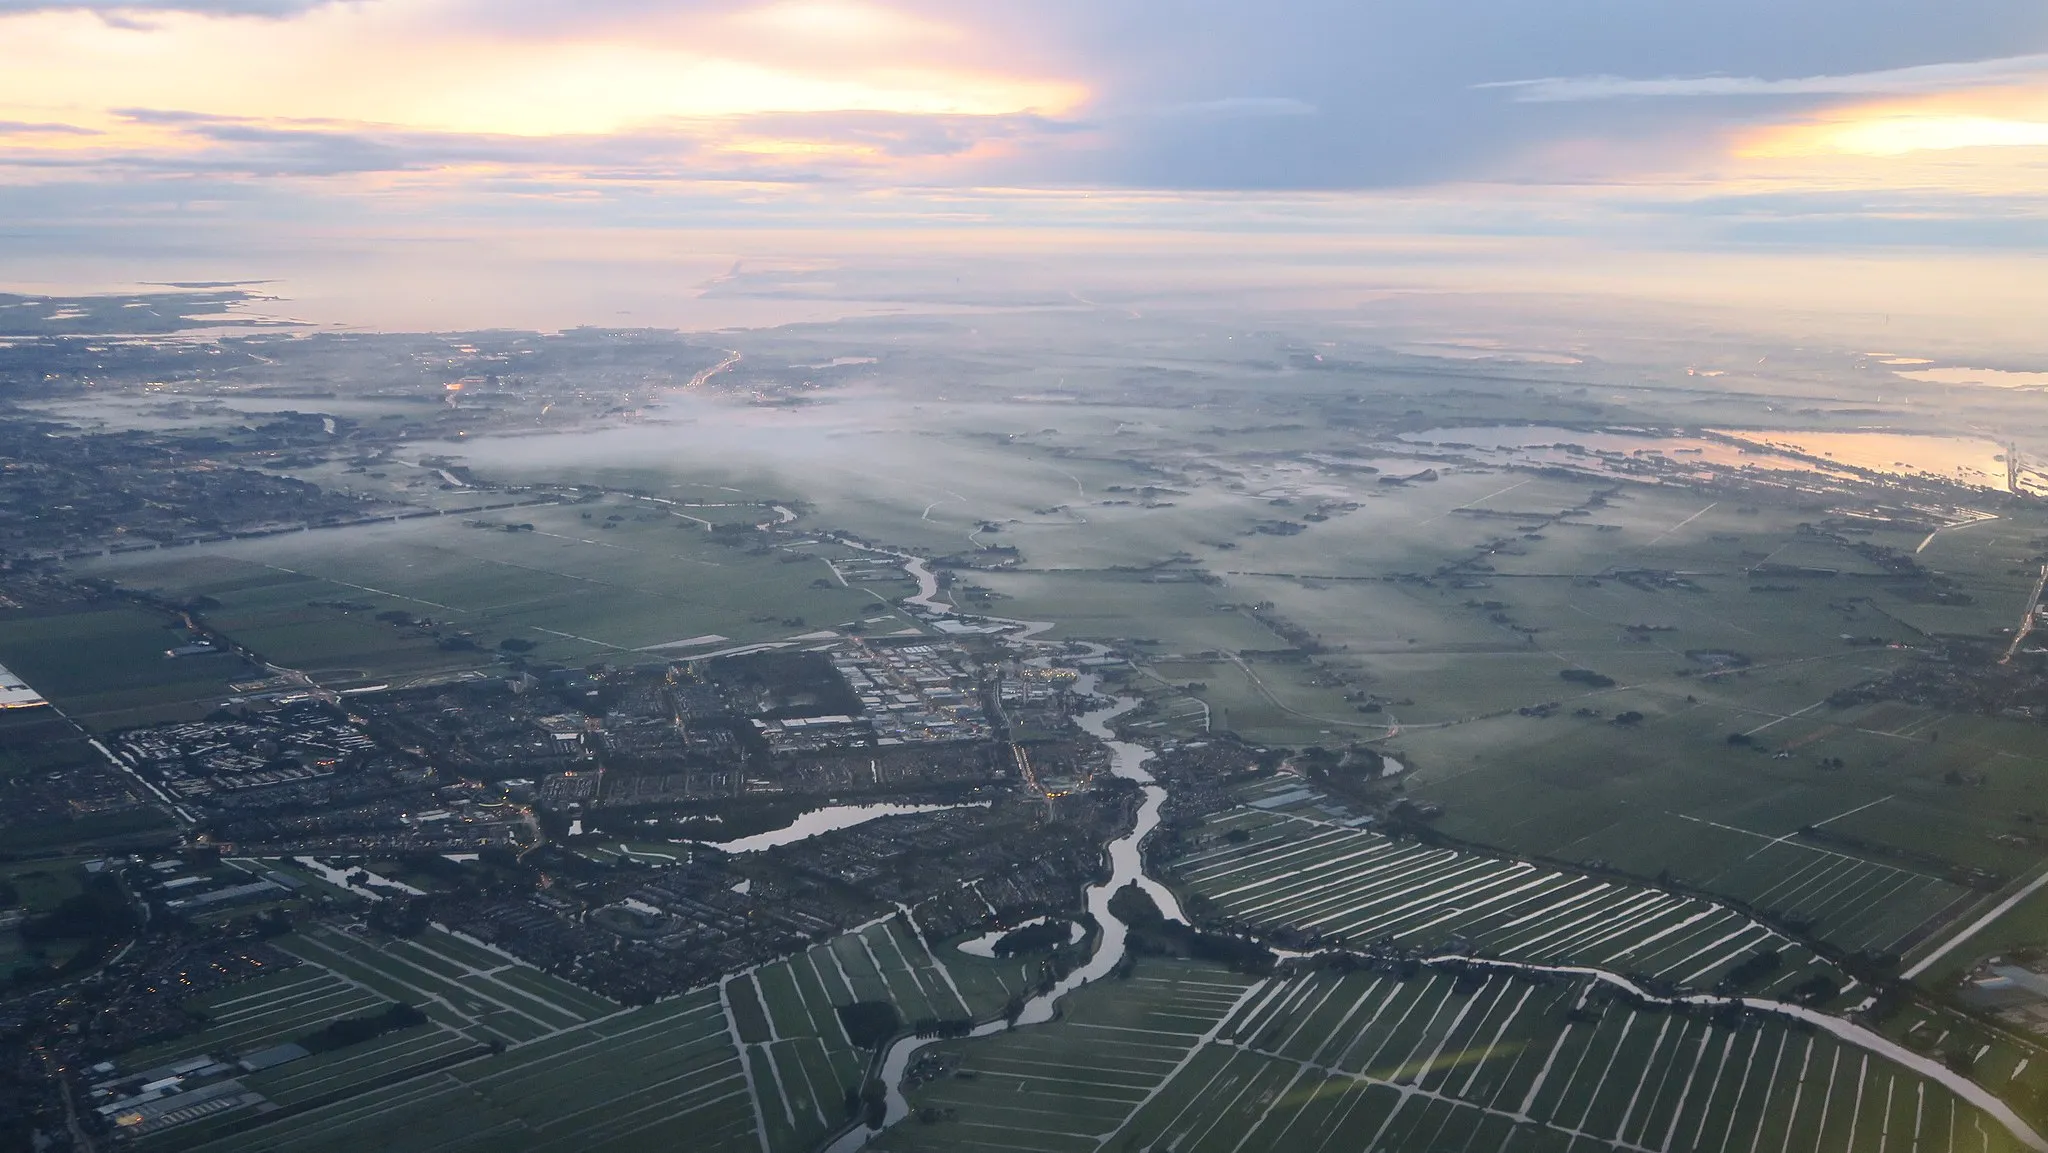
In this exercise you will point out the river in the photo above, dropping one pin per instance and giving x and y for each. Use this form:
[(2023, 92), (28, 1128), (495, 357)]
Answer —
[(1126, 866), (920, 570)]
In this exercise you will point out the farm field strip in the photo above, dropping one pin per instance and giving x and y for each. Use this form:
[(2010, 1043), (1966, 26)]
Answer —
[(1850, 902), (987, 985), (1343, 884), (672, 1068), (1329, 1062), (327, 1071), (266, 1011), (470, 995), (784, 1019), (415, 972), (1069, 1084)]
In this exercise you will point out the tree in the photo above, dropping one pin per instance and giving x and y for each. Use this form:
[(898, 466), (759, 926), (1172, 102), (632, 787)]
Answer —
[(869, 1024)]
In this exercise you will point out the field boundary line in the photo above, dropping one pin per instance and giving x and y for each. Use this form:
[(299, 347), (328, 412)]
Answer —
[(1849, 1032), (1977, 926)]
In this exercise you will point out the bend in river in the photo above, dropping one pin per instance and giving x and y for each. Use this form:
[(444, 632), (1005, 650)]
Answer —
[(1127, 866)]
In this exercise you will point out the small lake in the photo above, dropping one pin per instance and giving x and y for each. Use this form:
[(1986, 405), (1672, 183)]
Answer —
[(1969, 461), (828, 820), (985, 945), (1956, 459)]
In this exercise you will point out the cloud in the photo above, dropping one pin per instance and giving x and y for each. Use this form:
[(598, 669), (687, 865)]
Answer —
[(1151, 104), (856, 148), (1919, 78), (25, 127), (274, 9)]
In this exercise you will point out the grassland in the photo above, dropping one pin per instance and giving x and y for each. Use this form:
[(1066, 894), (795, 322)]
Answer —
[(787, 1021), (1449, 658), (617, 1084), (576, 589), (1200, 1063), (474, 999), (511, 1057), (1067, 1084), (1355, 887), (104, 664)]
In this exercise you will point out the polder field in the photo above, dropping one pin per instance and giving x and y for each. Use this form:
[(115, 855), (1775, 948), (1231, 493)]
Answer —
[(617, 579), (472, 997), (1201, 1061), (786, 1017), (626, 1083), (512, 1058), (1713, 736), (1269, 574), (1858, 906), (60, 792), (104, 664), (1267, 870)]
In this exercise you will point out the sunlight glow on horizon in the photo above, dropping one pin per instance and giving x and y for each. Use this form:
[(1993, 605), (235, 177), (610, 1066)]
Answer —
[(376, 64), (1992, 118)]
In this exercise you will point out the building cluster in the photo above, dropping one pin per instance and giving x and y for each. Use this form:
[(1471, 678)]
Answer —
[(136, 1105), (197, 760), (650, 929), (143, 1000), (920, 692), (309, 777), (1019, 855), (1026, 687), (1199, 776), (178, 886), (869, 570), (651, 933), (2012, 987)]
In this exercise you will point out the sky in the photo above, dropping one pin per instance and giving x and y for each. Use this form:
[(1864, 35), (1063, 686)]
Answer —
[(1510, 141)]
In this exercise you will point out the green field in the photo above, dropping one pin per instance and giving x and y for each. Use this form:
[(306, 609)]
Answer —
[(1198, 1062), (104, 664), (576, 589), (621, 1084), (1361, 888), (1065, 1084), (762, 1057), (36, 887), (787, 1021), (472, 996)]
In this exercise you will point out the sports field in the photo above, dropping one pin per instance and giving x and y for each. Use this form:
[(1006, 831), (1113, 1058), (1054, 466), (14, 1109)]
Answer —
[(1358, 887)]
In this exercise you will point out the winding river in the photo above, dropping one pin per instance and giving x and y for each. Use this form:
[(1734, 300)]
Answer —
[(1126, 866)]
